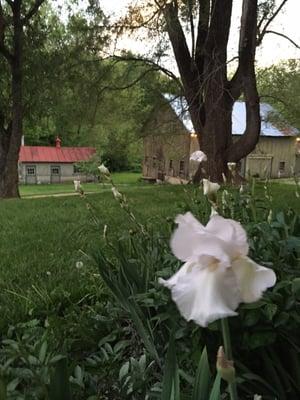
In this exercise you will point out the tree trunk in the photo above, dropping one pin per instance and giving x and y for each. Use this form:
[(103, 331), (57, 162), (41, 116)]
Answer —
[(12, 137), (209, 93)]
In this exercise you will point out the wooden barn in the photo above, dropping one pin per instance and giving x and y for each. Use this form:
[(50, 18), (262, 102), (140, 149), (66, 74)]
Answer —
[(169, 139), (52, 164)]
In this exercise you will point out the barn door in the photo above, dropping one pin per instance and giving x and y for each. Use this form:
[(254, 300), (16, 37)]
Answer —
[(259, 166), (55, 174)]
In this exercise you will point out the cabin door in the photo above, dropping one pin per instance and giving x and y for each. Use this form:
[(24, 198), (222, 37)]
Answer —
[(55, 174)]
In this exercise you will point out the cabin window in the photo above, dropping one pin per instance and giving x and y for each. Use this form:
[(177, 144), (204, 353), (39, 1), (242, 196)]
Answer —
[(30, 170), (181, 167), (55, 170), (281, 166), (171, 164)]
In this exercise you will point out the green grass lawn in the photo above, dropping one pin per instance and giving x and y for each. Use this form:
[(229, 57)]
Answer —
[(119, 178), (42, 239)]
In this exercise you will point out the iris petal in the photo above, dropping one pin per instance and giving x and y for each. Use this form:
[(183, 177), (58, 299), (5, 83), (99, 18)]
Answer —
[(186, 236), (204, 294), (231, 232), (252, 279)]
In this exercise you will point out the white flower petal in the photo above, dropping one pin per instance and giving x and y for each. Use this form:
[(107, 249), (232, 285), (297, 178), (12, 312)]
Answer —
[(231, 232), (191, 242), (186, 237), (198, 156), (252, 279), (169, 283), (204, 294)]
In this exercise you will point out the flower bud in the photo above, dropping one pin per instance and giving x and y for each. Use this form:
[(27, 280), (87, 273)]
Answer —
[(231, 166), (210, 188), (103, 170), (224, 366), (270, 216), (78, 187), (116, 193)]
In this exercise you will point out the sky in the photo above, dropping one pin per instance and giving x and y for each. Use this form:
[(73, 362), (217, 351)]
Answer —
[(273, 50)]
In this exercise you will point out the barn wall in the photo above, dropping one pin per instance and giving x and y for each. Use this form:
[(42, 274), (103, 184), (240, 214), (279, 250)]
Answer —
[(166, 142), (274, 156), (266, 158), (166, 146)]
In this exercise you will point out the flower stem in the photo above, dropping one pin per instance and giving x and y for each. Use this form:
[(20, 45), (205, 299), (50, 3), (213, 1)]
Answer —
[(228, 352)]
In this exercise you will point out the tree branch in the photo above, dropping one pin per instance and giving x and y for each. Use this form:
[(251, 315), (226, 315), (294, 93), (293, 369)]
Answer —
[(190, 6), (204, 8), (219, 27), (179, 45), (264, 29), (284, 36), (246, 68), (152, 63), (34, 9)]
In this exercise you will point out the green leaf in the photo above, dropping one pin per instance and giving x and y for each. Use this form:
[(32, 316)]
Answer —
[(296, 287), (270, 310), (3, 393), (59, 383), (13, 384), (202, 379), (43, 351), (216, 391), (124, 370), (170, 389)]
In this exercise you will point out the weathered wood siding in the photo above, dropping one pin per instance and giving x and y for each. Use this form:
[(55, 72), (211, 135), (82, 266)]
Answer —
[(166, 145), (273, 156)]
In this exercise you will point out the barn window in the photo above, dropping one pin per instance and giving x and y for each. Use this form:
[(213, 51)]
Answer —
[(171, 164), (30, 170), (281, 166), (181, 167)]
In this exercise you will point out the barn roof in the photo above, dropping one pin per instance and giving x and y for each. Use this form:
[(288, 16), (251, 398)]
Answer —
[(55, 154), (268, 128)]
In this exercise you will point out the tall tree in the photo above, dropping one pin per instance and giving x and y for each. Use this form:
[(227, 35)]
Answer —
[(202, 66), (279, 85), (15, 15)]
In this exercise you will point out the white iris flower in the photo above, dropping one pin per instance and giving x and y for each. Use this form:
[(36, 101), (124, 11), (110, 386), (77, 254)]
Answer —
[(198, 156), (216, 275)]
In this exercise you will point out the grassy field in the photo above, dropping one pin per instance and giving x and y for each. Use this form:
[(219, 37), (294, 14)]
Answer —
[(119, 178), (41, 240)]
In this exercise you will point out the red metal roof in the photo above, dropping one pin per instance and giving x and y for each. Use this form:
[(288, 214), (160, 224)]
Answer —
[(55, 154)]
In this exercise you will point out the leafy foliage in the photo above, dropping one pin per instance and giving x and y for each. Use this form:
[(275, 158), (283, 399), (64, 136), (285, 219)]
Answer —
[(279, 85)]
